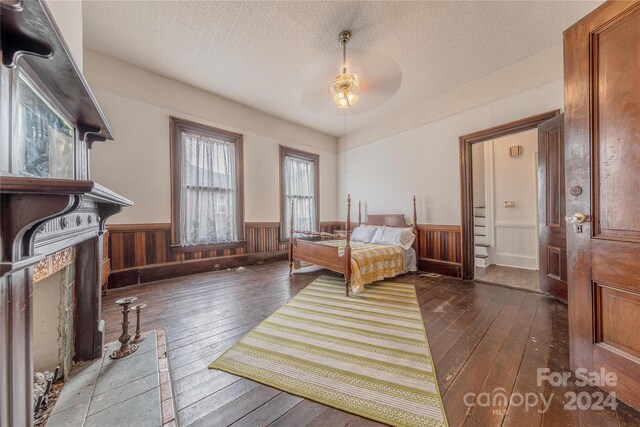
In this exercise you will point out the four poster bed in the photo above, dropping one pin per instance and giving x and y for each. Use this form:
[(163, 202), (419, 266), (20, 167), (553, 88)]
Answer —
[(365, 261)]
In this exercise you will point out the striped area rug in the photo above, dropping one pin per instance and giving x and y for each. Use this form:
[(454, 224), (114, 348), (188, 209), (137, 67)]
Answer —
[(366, 354)]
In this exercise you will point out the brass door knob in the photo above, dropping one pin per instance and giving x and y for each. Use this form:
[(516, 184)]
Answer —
[(576, 218)]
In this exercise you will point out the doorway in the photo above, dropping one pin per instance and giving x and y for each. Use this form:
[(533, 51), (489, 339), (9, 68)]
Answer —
[(499, 223), (504, 210)]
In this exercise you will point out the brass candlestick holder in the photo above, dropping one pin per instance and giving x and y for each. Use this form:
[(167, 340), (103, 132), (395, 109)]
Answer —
[(126, 348), (138, 338)]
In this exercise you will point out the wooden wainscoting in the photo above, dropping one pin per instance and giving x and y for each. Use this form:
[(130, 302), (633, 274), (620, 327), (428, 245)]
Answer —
[(331, 226), (141, 253), (440, 249)]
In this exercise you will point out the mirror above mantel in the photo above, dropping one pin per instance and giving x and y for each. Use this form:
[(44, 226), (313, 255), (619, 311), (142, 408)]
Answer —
[(51, 113)]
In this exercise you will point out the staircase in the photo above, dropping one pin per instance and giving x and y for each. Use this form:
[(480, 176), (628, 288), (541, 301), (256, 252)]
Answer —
[(481, 238)]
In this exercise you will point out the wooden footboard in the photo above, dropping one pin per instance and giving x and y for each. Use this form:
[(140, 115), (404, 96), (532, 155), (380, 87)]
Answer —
[(324, 256), (327, 256)]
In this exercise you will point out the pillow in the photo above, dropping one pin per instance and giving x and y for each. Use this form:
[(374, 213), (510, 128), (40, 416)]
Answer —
[(363, 233), (402, 237)]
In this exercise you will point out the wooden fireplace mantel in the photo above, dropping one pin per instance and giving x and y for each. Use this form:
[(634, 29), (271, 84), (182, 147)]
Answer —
[(39, 217)]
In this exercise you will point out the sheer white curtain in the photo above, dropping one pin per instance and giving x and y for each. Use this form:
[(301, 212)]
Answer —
[(208, 193), (300, 188)]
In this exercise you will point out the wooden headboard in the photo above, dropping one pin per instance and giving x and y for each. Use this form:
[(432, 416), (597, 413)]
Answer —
[(390, 220), (397, 220)]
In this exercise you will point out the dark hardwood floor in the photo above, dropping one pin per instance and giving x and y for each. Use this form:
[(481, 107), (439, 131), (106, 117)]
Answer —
[(482, 337), (509, 276)]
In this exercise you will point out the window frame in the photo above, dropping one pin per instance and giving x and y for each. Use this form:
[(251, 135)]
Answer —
[(177, 126), (315, 158)]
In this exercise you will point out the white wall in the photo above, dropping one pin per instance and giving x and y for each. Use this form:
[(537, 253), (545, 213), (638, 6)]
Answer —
[(478, 172), (138, 104), (533, 72), (514, 178), (425, 160), (382, 170), (68, 17)]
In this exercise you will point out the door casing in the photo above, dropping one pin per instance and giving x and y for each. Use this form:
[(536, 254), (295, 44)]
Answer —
[(466, 178)]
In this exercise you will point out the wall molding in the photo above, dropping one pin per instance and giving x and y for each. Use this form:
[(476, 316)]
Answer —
[(514, 260), (516, 224), (438, 227), (453, 269), (155, 272), (130, 228)]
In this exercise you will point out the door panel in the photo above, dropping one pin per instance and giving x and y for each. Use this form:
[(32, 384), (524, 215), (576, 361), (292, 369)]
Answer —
[(551, 208), (616, 63), (621, 268), (602, 108), (613, 330)]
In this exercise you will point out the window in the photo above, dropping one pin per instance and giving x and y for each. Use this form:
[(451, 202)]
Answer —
[(207, 188), (299, 186)]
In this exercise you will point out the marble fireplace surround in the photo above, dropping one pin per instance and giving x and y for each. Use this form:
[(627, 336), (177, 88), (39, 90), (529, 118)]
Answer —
[(54, 306)]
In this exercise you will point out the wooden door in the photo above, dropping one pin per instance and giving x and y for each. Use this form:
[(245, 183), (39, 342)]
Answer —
[(552, 230), (602, 135)]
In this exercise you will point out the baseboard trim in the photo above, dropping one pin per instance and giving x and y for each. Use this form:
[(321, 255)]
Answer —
[(154, 272), (445, 268), (514, 260)]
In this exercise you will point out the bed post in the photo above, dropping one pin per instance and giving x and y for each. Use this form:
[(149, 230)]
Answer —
[(359, 213), (415, 229), (291, 240), (347, 250)]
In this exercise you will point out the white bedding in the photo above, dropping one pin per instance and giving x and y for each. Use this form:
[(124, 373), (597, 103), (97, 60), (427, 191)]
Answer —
[(410, 260), (383, 235)]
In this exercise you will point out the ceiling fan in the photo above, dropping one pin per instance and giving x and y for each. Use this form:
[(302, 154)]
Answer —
[(369, 79)]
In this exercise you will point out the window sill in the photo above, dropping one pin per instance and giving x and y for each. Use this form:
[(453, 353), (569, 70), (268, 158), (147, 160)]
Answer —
[(209, 247)]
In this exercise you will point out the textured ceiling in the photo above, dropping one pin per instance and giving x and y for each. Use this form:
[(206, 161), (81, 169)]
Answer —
[(280, 57)]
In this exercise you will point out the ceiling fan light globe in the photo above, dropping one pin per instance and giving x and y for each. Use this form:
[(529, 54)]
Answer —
[(345, 85)]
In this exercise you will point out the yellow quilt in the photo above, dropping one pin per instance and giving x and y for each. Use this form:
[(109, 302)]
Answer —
[(370, 263)]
